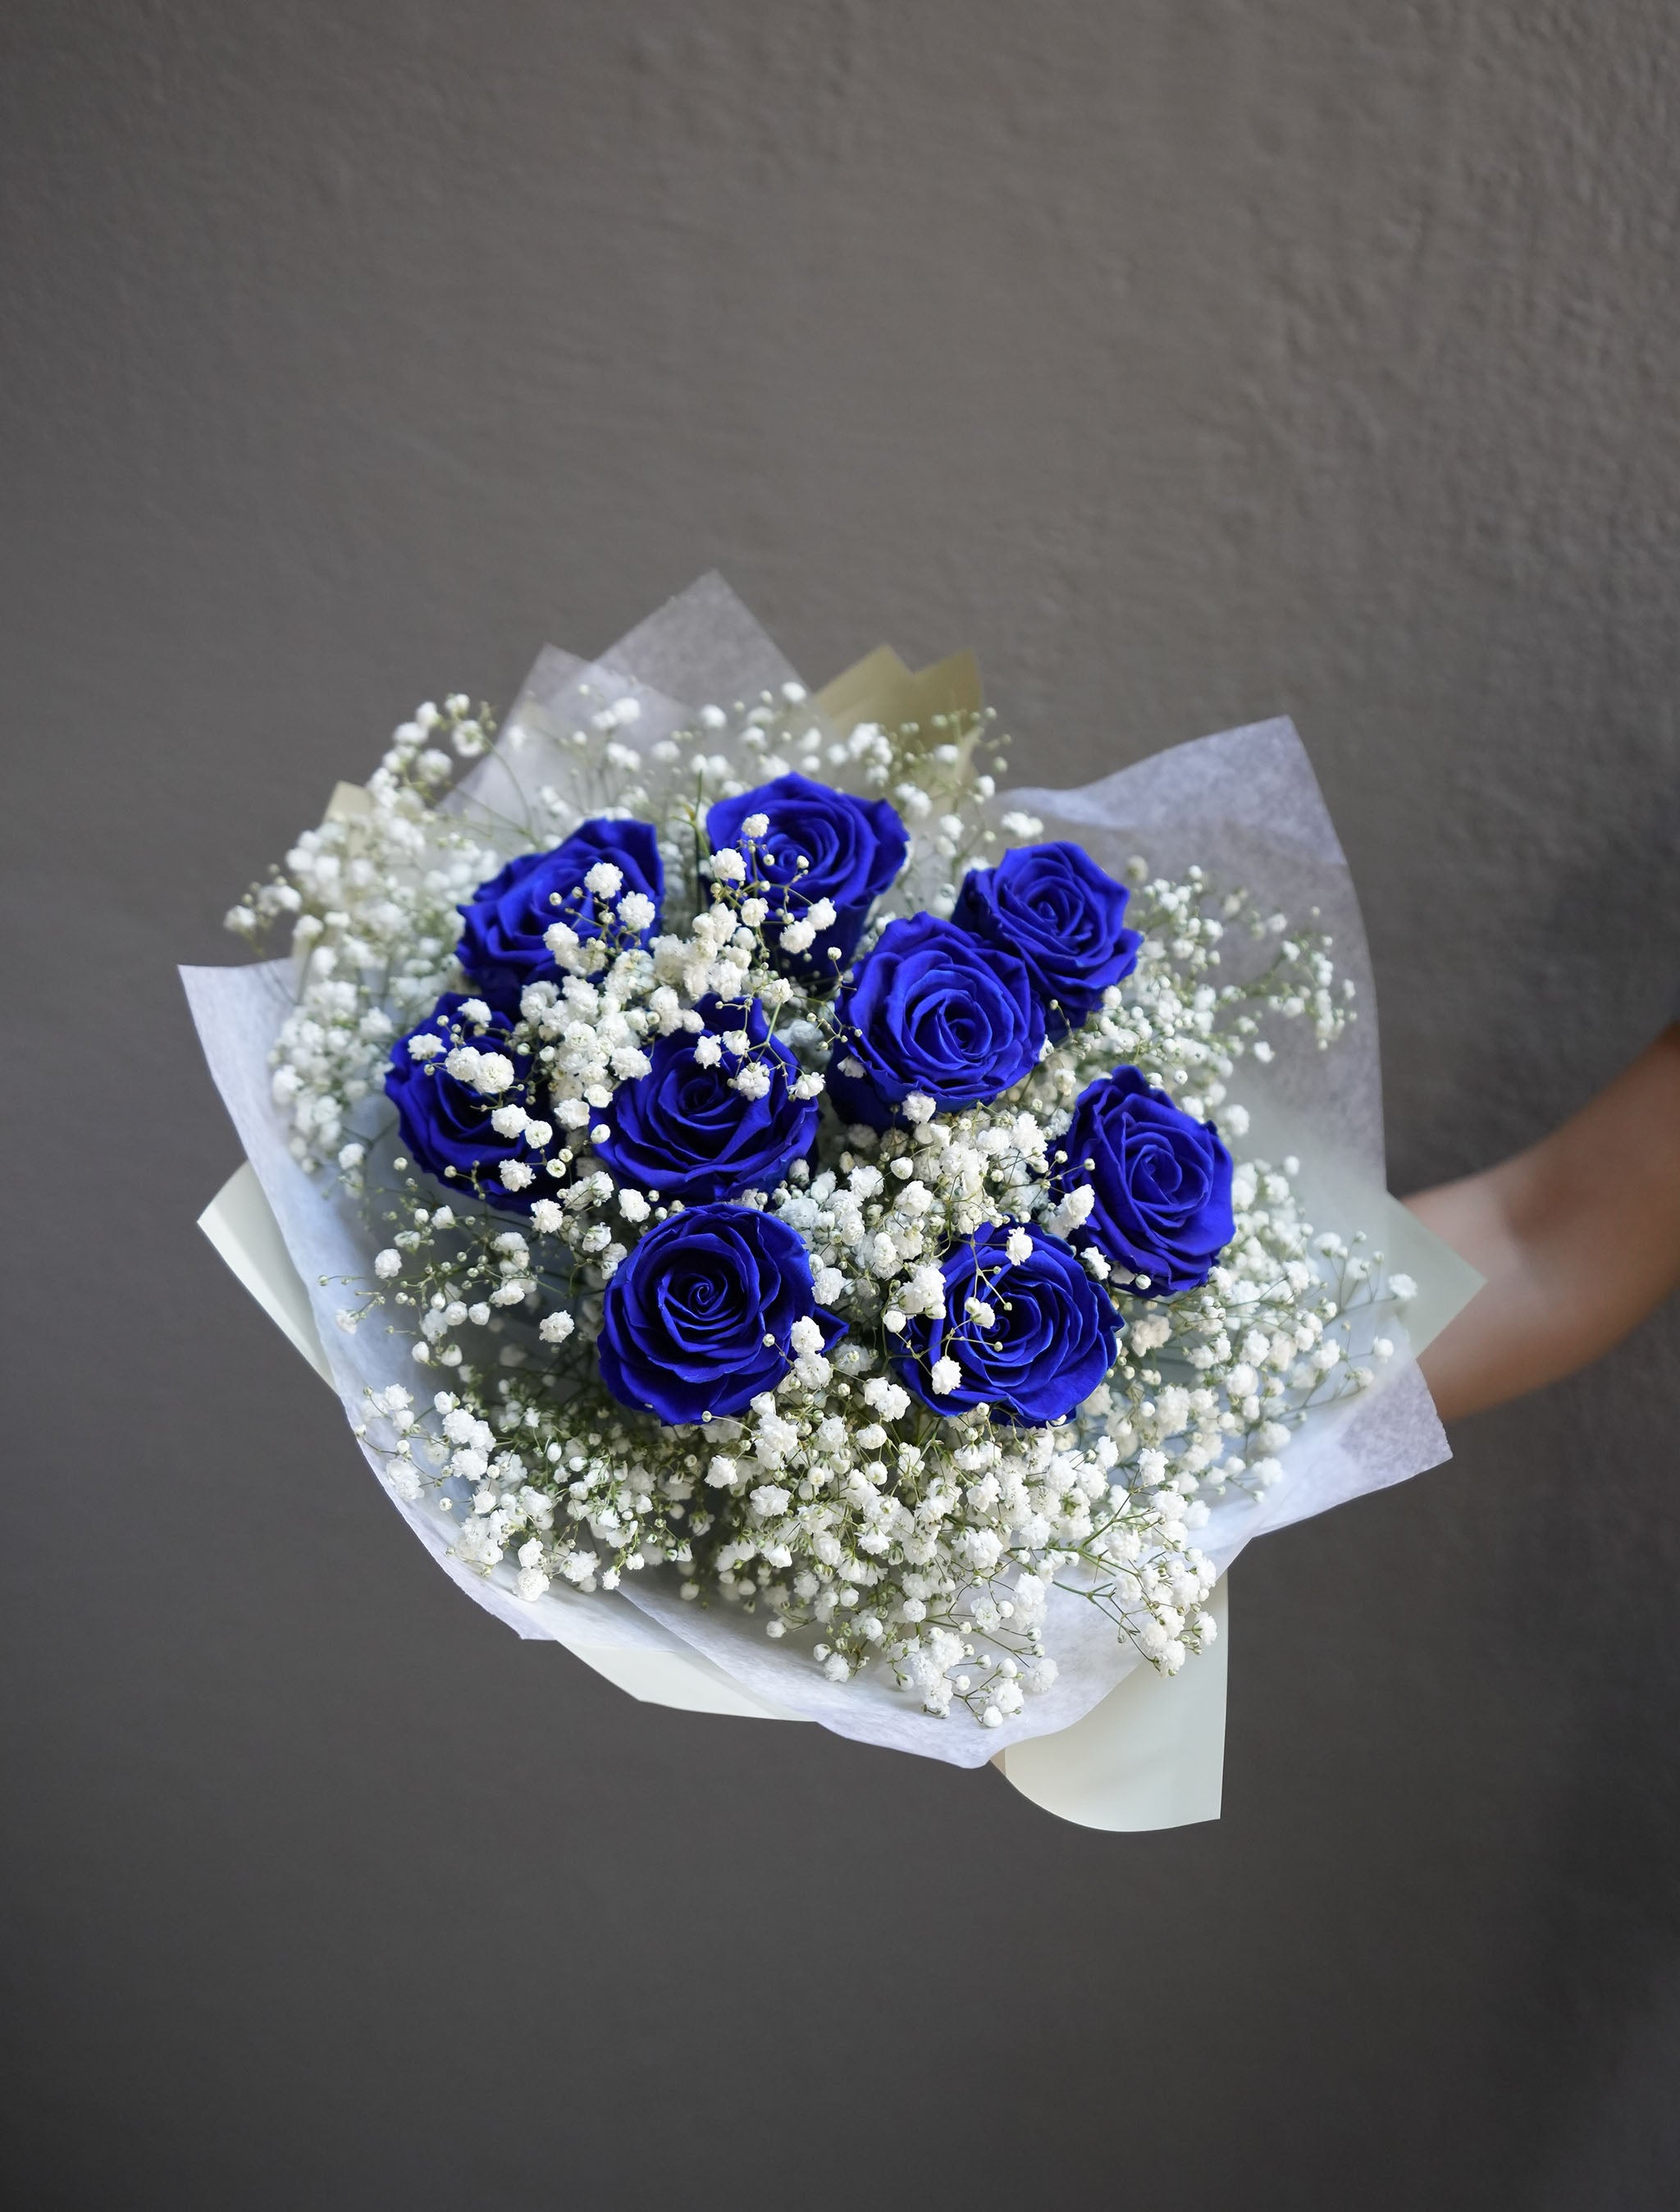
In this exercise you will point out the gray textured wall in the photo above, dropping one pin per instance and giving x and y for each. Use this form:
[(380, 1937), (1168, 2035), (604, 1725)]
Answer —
[(1193, 360)]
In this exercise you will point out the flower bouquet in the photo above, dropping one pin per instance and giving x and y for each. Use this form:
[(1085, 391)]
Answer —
[(815, 1236)]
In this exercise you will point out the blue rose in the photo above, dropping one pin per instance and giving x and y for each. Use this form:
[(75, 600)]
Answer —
[(1053, 908), (502, 925), (447, 1078), (933, 1009), (1161, 1182), (1052, 1338), (684, 1128), (821, 844), (701, 1317)]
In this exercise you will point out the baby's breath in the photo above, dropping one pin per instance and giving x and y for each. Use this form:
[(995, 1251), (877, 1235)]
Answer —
[(839, 1511)]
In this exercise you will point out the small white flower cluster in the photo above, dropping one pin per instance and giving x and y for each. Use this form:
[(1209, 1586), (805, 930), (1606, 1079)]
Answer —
[(371, 900), (839, 1509)]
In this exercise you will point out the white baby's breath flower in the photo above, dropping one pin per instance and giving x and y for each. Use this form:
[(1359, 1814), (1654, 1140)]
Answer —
[(890, 1400), (486, 1072)]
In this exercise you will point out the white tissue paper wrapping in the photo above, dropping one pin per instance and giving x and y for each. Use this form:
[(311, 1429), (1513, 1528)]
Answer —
[(1245, 806)]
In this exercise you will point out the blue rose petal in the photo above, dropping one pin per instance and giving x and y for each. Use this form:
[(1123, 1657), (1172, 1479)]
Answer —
[(685, 1318), (683, 1130), (446, 1123), (852, 849), (1161, 1181), (933, 1009), (1054, 1332), (503, 924), (1053, 908)]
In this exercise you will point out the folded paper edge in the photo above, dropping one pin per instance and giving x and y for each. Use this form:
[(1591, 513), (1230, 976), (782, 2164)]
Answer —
[(239, 1223), (1151, 1755)]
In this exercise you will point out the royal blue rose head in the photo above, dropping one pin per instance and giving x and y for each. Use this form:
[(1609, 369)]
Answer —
[(1053, 908), (936, 1010), (1050, 1336), (1160, 1182), (707, 1312), (821, 844), (688, 1130), (449, 1078), (504, 924)]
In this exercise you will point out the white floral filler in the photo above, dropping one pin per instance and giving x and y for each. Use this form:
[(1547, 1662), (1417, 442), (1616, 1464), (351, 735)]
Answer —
[(649, 1053)]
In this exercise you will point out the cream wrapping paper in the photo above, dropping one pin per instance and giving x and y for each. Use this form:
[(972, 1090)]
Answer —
[(1245, 806)]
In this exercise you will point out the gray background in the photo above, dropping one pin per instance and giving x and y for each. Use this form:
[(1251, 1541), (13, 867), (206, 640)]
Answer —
[(1194, 361)]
